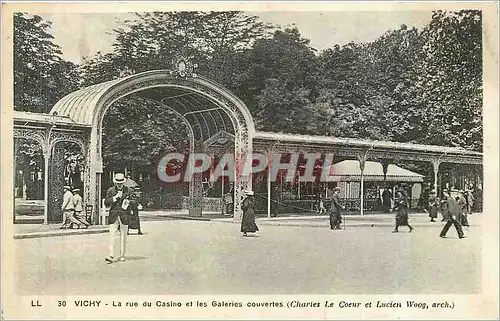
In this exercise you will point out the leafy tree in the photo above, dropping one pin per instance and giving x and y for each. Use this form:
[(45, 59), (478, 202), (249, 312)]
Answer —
[(41, 76), (393, 57), (344, 102), (139, 133), (365, 87), (284, 63), (449, 83), (153, 39), (283, 109)]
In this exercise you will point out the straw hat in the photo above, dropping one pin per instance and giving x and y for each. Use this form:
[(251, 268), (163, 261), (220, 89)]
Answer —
[(119, 178)]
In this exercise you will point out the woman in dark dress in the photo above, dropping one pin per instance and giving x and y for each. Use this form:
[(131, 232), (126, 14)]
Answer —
[(248, 220), (402, 215), (134, 220)]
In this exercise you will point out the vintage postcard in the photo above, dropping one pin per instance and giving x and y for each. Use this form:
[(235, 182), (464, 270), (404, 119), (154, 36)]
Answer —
[(250, 160)]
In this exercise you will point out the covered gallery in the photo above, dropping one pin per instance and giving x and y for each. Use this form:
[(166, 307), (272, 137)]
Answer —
[(347, 174)]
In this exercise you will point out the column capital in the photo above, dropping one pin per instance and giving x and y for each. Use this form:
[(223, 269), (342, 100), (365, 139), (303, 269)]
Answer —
[(46, 155), (362, 156), (362, 164), (436, 161)]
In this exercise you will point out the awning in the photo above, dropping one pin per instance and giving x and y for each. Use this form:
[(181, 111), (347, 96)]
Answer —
[(349, 171)]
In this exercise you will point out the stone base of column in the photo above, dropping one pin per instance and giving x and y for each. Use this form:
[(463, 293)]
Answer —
[(195, 212)]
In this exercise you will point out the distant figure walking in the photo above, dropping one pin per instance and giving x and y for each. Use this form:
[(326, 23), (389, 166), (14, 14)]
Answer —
[(386, 200), (228, 203), (444, 208), (452, 215), (462, 204), (321, 206), (335, 216), (248, 220), (433, 205), (78, 203), (401, 205), (470, 200), (68, 208), (135, 221)]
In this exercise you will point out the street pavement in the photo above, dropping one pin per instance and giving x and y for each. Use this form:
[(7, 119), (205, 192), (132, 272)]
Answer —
[(211, 257)]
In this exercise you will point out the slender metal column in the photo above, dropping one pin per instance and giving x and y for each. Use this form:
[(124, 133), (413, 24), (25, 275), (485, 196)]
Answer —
[(362, 168), (46, 158), (435, 166), (269, 191), (222, 194), (362, 160)]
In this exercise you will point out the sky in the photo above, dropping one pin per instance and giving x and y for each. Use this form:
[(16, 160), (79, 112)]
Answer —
[(85, 34)]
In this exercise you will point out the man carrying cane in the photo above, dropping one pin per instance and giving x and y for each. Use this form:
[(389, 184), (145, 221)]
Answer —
[(118, 199)]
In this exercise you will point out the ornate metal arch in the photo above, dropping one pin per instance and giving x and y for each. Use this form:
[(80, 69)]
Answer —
[(98, 98)]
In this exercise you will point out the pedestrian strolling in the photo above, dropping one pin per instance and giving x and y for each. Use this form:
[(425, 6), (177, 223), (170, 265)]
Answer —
[(248, 220), (78, 203), (386, 200), (68, 208), (401, 206), (228, 202), (470, 199), (335, 216), (135, 206), (453, 212), (321, 206), (444, 209), (433, 205), (118, 200), (462, 204)]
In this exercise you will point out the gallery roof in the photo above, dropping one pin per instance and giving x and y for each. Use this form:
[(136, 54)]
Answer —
[(348, 171)]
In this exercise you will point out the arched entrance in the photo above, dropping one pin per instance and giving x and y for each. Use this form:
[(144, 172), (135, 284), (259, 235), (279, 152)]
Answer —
[(207, 106)]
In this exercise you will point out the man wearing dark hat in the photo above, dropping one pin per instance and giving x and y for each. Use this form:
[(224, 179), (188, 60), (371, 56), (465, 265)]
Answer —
[(118, 200), (335, 217), (68, 209), (453, 215)]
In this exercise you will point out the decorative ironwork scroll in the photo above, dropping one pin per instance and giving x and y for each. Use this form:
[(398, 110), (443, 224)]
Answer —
[(196, 189), (61, 136), (36, 134), (56, 183)]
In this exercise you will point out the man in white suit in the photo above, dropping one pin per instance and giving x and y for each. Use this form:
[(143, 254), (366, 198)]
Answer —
[(118, 199)]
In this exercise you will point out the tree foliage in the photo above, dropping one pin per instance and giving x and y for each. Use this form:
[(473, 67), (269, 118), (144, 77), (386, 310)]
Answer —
[(449, 80), (409, 85), (41, 76)]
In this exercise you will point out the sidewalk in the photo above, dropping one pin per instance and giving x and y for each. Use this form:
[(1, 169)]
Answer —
[(28, 231), (37, 229)]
